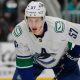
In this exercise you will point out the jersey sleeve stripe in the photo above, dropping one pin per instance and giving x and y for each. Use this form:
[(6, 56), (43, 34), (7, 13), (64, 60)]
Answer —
[(24, 62)]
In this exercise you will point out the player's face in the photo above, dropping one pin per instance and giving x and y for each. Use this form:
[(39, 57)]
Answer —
[(35, 24)]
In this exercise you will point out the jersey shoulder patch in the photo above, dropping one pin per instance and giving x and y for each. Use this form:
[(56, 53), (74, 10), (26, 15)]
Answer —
[(59, 27), (17, 31)]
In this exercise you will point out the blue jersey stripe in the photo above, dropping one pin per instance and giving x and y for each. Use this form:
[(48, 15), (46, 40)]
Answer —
[(23, 56)]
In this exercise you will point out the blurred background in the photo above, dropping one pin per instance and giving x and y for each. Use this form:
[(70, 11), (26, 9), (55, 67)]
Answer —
[(12, 12)]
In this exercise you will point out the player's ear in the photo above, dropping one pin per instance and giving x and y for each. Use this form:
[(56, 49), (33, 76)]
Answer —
[(25, 18)]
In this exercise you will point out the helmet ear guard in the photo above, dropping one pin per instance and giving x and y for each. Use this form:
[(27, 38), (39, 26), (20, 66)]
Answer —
[(35, 9)]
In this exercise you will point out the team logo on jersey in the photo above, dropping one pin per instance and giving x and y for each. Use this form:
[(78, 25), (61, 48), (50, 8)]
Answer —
[(17, 31), (59, 26)]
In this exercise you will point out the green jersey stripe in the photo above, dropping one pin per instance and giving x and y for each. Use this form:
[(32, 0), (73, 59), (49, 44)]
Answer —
[(69, 45), (24, 62)]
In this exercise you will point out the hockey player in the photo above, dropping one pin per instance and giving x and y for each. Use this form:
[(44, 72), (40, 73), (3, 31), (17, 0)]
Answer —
[(46, 42)]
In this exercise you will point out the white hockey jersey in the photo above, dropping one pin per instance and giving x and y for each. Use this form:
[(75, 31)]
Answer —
[(48, 50)]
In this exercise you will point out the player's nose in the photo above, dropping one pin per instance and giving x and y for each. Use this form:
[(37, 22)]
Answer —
[(33, 25)]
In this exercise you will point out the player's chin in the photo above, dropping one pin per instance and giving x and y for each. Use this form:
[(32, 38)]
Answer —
[(35, 32)]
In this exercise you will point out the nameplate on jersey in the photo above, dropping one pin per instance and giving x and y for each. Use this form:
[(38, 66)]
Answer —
[(59, 27)]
